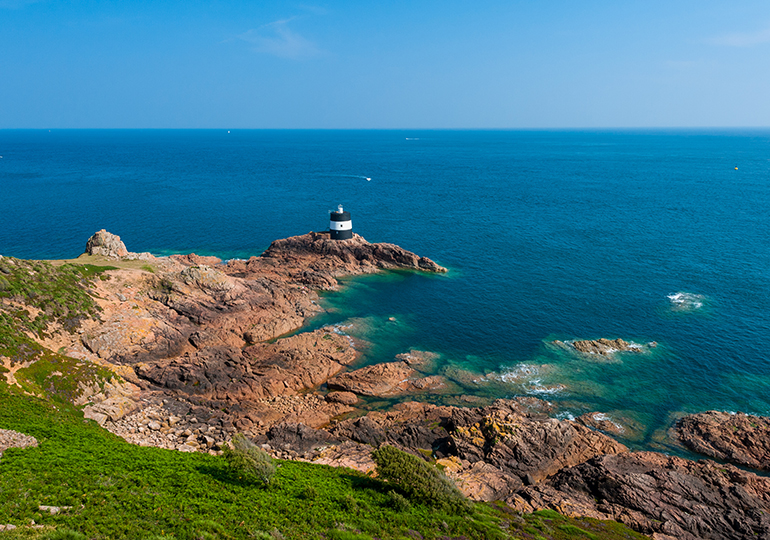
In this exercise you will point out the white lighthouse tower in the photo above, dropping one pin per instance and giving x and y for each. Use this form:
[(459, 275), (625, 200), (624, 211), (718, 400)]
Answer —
[(340, 226)]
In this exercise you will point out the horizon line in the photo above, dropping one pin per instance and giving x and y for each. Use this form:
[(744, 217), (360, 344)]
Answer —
[(601, 128)]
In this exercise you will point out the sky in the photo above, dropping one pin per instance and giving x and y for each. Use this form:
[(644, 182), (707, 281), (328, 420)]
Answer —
[(384, 64)]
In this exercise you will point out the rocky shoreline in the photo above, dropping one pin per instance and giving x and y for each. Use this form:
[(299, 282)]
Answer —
[(201, 351)]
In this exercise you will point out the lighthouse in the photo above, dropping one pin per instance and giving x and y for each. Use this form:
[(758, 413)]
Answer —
[(340, 226)]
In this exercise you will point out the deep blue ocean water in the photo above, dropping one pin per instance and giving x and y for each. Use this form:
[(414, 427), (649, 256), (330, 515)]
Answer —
[(547, 234)]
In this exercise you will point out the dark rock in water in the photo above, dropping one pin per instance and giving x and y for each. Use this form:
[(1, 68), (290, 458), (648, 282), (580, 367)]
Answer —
[(737, 438), (423, 361), (658, 494)]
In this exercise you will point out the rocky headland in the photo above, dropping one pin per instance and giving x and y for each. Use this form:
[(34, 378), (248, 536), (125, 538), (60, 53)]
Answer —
[(201, 351)]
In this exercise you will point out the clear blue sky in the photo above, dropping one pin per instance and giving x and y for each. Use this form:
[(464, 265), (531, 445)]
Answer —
[(385, 64)]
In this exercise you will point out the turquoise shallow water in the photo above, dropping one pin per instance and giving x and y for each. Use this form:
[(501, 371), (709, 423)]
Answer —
[(548, 235)]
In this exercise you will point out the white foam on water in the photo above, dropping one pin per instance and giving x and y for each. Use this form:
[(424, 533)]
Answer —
[(516, 374), (565, 415), (603, 417), (686, 301), (536, 387), (339, 329)]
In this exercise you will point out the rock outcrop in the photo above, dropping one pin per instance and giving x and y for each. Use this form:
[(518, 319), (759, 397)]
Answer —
[(658, 494), (196, 330), (493, 450), (14, 439), (223, 372), (385, 380), (736, 438), (319, 251), (107, 245), (604, 347)]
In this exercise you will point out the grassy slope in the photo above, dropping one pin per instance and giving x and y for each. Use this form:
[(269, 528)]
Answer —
[(117, 490)]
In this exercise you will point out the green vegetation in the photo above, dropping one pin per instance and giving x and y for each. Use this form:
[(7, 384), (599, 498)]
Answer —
[(248, 461), (58, 293), (117, 490), (419, 480)]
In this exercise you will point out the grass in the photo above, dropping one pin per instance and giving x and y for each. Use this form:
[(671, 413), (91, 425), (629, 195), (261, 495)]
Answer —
[(117, 490)]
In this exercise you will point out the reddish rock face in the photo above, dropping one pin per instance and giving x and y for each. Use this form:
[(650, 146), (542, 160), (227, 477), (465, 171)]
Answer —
[(655, 493), (736, 438), (378, 380), (195, 329), (285, 367)]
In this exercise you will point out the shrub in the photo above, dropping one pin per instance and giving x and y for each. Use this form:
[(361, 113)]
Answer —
[(419, 480), (398, 502), (248, 460), (309, 492)]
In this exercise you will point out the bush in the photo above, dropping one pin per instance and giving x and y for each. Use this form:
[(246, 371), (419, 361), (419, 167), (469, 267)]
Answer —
[(248, 460), (398, 502), (419, 480)]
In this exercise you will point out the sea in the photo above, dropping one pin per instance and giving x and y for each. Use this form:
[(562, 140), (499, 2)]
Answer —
[(658, 237)]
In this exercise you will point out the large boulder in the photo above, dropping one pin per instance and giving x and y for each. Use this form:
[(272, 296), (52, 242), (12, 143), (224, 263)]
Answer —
[(107, 245)]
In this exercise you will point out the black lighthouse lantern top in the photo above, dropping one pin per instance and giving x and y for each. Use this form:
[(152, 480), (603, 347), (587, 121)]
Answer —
[(340, 225)]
